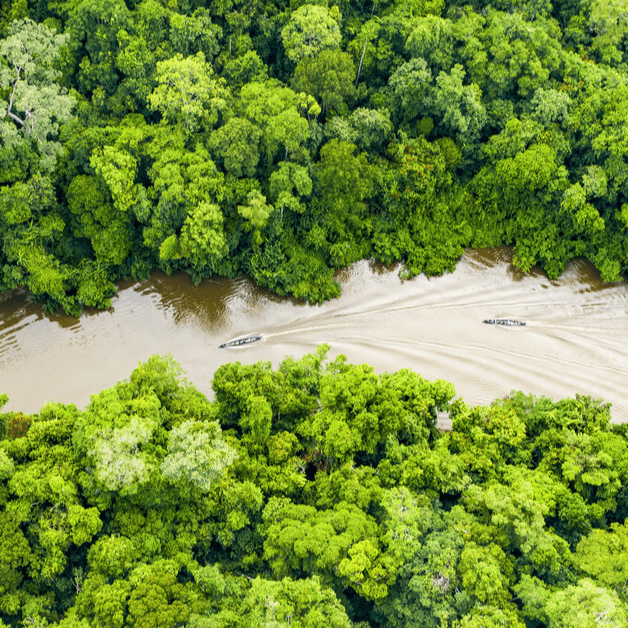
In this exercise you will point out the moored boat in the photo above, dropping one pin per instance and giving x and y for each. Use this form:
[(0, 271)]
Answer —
[(503, 321)]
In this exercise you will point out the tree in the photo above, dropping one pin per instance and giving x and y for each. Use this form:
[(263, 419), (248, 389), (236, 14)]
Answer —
[(373, 128), (196, 454), (583, 604), (186, 92), (276, 111), (93, 26), (602, 556), (607, 24), (361, 411), (345, 180), (432, 40), (256, 213), (240, 602), (303, 603), (186, 225), (328, 77), (158, 601), (285, 181), (237, 145), (37, 106), (411, 84), (341, 543), (202, 242), (460, 107), (108, 231), (32, 230), (490, 617), (311, 29), (486, 573)]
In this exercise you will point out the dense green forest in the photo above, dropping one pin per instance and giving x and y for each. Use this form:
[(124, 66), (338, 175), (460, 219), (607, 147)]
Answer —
[(319, 494), (287, 139)]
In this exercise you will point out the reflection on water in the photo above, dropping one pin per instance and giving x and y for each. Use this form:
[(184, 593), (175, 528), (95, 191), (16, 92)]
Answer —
[(575, 339)]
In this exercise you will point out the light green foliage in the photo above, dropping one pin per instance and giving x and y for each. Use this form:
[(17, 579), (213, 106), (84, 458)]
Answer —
[(582, 604), (484, 437), (490, 617), (301, 603), (6, 466), (486, 573), (459, 106), (550, 106), (187, 93), (592, 465), (15, 555), (117, 463), (372, 127), (288, 130), (515, 518), (237, 144), (429, 590), (202, 239), (311, 29), (406, 523), (607, 24), (158, 602), (187, 187), (424, 469), (362, 410), (320, 542), (256, 213), (116, 431), (112, 556), (521, 59), (602, 556), (194, 33), (285, 181), (196, 454), (101, 603), (107, 229), (276, 110), (32, 104), (118, 168), (32, 228), (583, 215), (245, 69)]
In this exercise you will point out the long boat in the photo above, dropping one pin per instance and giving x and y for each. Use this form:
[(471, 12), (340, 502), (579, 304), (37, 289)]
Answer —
[(240, 341), (503, 321)]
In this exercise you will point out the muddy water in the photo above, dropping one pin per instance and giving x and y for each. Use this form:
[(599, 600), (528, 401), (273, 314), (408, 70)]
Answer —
[(575, 341)]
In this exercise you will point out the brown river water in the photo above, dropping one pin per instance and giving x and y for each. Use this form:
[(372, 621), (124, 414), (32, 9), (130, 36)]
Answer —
[(575, 340)]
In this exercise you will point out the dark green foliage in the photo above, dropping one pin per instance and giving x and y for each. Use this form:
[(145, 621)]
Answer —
[(286, 140)]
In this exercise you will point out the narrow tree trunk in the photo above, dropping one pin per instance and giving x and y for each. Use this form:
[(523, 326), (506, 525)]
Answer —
[(357, 78)]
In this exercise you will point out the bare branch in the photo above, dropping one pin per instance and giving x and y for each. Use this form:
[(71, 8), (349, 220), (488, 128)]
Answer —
[(12, 115)]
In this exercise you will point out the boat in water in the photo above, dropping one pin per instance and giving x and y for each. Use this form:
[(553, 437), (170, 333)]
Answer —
[(508, 322), (240, 341)]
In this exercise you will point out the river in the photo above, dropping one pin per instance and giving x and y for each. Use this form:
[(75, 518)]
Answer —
[(575, 340)]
